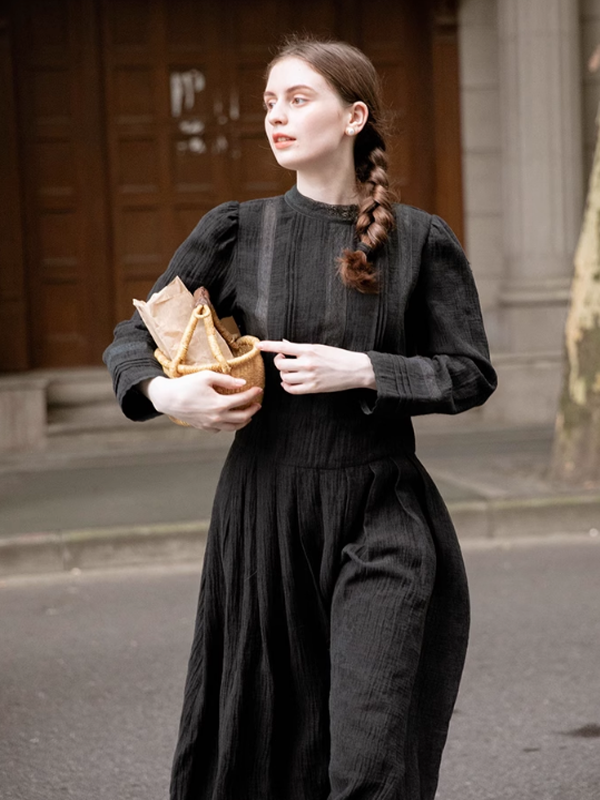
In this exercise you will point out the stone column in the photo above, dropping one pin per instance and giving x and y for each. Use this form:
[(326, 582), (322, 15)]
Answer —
[(540, 101)]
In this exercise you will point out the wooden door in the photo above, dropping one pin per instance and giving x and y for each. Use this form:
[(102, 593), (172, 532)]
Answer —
[(61, 139), (164, 94), (14, 353)]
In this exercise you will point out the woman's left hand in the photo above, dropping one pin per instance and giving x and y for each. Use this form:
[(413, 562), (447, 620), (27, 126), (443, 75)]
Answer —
[(312, 368)]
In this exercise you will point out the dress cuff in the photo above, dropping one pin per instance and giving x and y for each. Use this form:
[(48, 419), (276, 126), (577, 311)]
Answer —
[(134, 404), (391, 393)]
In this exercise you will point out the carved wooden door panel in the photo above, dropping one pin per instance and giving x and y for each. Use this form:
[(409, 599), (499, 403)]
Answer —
[(164, 108), (61, 143), (13, 297)]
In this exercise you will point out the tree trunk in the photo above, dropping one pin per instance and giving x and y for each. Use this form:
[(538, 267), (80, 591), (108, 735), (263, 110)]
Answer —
[(576, 454)]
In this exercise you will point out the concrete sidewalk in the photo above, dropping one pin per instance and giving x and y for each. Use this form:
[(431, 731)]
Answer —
[(117, 499)]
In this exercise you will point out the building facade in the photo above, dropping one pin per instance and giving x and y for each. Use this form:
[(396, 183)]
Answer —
[(528, 108), (123, 121)]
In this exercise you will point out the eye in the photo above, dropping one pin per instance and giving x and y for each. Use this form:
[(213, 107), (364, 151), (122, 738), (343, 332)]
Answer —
[(268, 104), (298, 100)]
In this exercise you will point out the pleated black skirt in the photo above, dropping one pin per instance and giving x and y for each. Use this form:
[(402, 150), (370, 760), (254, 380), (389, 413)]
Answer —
[(331, 628)]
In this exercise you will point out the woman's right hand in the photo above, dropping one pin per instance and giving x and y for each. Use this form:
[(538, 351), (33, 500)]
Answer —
[(194, 399)]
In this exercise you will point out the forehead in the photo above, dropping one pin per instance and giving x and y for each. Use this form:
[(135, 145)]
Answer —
[(295, 72)]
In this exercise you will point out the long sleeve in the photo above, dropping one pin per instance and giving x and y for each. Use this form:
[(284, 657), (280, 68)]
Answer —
[(447, 368), (203, 259)]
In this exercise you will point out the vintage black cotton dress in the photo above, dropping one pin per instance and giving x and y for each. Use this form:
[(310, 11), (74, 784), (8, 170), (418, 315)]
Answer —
[(333, 613)]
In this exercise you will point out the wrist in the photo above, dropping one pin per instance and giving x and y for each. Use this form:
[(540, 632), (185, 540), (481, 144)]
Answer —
[(366, 373), (154, 389)]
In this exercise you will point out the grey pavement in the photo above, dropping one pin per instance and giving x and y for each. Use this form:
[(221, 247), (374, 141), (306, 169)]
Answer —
[(93, 665), (99, 501)]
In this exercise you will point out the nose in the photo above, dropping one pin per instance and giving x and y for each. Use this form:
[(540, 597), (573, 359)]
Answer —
[(276, 114)]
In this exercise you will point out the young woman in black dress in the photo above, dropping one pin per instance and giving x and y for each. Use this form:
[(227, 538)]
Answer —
[(333, 613)]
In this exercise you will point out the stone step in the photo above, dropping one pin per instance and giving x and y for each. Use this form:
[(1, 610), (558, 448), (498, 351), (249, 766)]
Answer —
[(83, 416), (82, 398)]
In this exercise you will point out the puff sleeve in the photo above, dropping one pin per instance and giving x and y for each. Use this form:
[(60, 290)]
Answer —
[(447, 367), (204, 259)]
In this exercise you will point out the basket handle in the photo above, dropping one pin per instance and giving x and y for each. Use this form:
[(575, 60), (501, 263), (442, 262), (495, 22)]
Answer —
[(207, 314), (203, 297), (202, 312), (229, 337)]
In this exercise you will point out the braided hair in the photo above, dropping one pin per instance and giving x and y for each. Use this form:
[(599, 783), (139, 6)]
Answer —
[(354, 78)]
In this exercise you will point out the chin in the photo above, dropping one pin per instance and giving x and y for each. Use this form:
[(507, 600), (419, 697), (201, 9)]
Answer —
[(297, 163), (286, 160)]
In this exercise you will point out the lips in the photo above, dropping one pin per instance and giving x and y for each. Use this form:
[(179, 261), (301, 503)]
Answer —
[(282, 142)]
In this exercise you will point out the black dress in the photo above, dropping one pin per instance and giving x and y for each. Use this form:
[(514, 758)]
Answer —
[(333, 613)]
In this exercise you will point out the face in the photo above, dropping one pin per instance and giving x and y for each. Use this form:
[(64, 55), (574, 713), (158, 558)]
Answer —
[(306, 120)]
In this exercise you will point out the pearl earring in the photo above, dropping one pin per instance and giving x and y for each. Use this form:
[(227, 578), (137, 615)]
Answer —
[(350, 131)]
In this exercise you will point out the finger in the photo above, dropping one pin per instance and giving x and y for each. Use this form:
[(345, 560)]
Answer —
[(295, 377), (288, 348), (300, 388), (290, 363), (221, 426), (234, 420), (242, 415), (238, 399), (226, 426), (223, 380), (287, 364), (231, 420)]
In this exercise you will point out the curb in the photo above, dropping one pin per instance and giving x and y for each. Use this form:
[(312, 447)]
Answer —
[(503, 518), (96, 548)]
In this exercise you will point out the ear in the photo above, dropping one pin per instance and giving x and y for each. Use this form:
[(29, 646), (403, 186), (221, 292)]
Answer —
[(358, 116)]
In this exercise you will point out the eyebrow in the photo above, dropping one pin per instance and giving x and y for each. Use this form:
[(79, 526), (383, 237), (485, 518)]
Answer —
[(291, 89)]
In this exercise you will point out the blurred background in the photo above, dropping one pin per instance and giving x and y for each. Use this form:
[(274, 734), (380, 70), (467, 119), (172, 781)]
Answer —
[(121, 123)]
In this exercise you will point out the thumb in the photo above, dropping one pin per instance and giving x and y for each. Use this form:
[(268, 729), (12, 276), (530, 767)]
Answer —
[(224, 381)]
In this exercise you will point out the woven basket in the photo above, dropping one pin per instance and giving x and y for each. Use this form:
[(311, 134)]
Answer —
[(246, 363)]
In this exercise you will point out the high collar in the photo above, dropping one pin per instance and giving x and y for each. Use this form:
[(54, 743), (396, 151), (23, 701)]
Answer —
[(314, 208)]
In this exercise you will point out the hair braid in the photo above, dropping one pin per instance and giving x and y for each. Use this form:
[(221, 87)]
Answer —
[(375, 215)]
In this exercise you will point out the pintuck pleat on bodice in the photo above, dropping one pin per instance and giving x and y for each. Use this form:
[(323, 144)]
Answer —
[(333, 611)]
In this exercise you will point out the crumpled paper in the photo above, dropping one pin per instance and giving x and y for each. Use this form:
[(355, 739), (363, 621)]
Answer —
[(166, 315)]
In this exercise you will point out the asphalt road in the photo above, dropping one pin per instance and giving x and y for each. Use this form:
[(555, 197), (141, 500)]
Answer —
[(92, 668)]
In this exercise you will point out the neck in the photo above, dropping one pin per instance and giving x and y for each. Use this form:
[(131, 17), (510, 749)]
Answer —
[(335, 186)]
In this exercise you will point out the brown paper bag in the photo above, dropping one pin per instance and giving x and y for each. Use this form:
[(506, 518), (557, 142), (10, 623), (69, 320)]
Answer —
[(166, 315)]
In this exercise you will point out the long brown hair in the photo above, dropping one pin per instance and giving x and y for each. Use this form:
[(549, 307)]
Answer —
[(354, 78)]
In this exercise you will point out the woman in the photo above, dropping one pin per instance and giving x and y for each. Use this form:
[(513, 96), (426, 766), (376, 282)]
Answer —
[(333, 613)]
